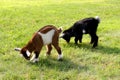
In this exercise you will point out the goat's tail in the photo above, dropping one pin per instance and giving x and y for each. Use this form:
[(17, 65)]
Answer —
[(97, 18), (60, 29)]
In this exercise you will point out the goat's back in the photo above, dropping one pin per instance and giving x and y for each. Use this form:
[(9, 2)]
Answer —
[(88, 24)]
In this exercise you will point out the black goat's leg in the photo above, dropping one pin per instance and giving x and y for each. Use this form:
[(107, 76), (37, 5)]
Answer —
[(80, 38), (92, 39), (76, 39), (95, 38)]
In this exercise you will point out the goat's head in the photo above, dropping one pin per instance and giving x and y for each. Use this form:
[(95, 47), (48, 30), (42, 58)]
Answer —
[(25, 53), (66, 36)]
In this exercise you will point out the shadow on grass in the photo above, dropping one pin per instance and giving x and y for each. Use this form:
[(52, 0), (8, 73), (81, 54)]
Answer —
[(64, 65), (99, 48), (80, 45), (107, 50), (67, 64)]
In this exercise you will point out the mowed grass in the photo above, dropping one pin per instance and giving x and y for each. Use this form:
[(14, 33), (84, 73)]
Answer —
[(20, 19)]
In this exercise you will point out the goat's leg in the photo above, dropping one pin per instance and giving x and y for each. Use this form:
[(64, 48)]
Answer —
[(95, 39), (36, 59), (49, 48), (56, 45), (92, 39), (35, 56), (76, 39), (80, 38)]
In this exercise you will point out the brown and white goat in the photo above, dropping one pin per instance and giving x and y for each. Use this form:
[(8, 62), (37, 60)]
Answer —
[(48, 35)]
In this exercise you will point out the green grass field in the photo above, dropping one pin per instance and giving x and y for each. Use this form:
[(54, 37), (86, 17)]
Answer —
[(19, 19)]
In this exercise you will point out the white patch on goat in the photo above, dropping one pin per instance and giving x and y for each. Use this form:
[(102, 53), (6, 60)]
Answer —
[(60, 56), (61, 35), (28, 53), (97, 18), (84, 31), (47, 38)]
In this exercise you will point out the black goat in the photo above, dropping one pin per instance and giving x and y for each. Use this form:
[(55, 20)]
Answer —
[(84, 26)]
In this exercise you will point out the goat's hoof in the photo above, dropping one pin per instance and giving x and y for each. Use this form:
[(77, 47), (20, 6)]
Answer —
[(90, 43), (34, 60), (94, 47), (76, 43)]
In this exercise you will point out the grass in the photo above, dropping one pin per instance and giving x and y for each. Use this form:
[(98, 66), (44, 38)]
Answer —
[(20, 19)]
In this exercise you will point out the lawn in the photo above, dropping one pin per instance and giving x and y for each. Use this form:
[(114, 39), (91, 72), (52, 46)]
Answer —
[(19, 19)]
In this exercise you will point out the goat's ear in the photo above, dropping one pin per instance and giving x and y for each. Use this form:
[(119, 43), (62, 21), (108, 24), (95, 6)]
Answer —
[(61, 36), (60, 29), (17, 49)]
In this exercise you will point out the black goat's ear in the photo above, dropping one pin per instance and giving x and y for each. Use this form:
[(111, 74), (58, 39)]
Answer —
[(17, 49)]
